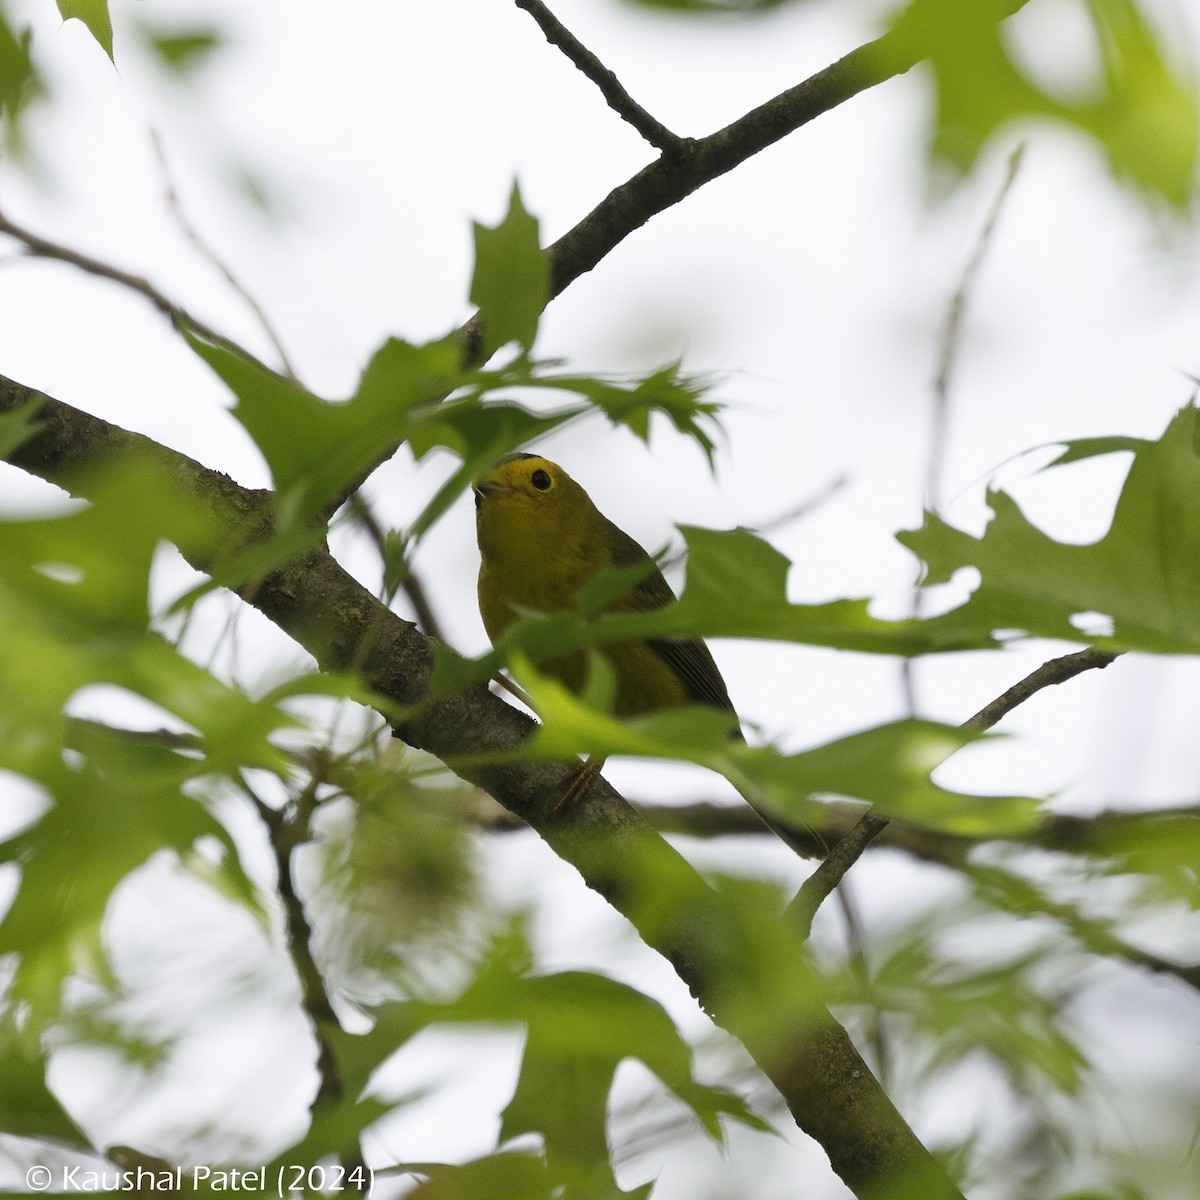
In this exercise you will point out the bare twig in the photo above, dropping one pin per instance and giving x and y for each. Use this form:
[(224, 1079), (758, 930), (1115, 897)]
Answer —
[(1057, 670), (619, 100), (804, 508), (846, 852), (189, 231), (285, 831), (39, 247), (952, 337), (849, 849), (857, 941), (939, 427), (411, 585)]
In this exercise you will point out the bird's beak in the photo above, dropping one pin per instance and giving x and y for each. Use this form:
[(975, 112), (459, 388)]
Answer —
[(486, 487)]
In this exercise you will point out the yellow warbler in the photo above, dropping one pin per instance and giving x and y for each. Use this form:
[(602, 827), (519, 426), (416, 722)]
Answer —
[(540, 540)]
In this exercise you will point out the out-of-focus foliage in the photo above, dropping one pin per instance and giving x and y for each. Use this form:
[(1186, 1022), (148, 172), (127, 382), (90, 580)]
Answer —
[(1140, 110), (20, 82), (378, 851)]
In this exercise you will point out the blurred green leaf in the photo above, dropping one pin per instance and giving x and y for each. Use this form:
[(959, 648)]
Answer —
[(511, 283), (19, 80), (335, 1131), (1142, 113), (27, 1106), (581, 1027), (1144, 573), (889, 765), (1161, 845), (511, 1175), (182, 51), (108, 817), (94, 14), (959, 1006)]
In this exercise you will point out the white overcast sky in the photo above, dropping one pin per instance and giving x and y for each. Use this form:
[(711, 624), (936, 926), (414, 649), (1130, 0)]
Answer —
[(815, 280)]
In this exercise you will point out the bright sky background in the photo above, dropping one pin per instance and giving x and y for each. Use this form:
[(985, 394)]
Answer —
[(814, 280)]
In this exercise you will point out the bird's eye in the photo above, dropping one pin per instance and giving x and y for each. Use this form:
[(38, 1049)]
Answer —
[(540, 480)]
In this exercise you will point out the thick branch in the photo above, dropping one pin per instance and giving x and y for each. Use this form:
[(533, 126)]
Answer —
[(674, 176), (790, 1033)]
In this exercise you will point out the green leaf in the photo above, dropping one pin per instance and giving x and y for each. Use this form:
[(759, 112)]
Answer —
[(1080, 449), (1144, 574), (335, 1132), (736, 587), (511, 283), (511, 1175), (94, 14), (1142, 114), (19, 80), (481, 431), (108, 817), (581, 1027), (28, 1108), (632, 402), (317, 449), (889, 765), (183, 52)]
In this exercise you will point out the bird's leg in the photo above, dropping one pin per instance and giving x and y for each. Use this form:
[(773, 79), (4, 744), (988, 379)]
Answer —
[(577, 781)]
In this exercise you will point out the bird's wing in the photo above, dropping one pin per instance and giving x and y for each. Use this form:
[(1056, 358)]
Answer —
[(690, 659)]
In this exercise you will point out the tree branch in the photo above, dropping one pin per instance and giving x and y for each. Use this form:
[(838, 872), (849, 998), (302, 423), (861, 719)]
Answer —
[(789, 1032), (285, 831), (189, 231), (1057, 670), (849, 849), (37, 246), (673, 177), (829, 874), (619, 100)]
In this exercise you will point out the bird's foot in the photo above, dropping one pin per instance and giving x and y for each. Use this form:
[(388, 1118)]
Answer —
[(575, 782)]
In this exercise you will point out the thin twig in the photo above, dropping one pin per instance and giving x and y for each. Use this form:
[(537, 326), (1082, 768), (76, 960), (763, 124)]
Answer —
[(1057, 670), (36, 246), (189, 231), (619, 100), (845, 853), (849, 849), (411, 585), (286, 830), (857, 941), (939, 428), (952, 337), (804, 508)]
